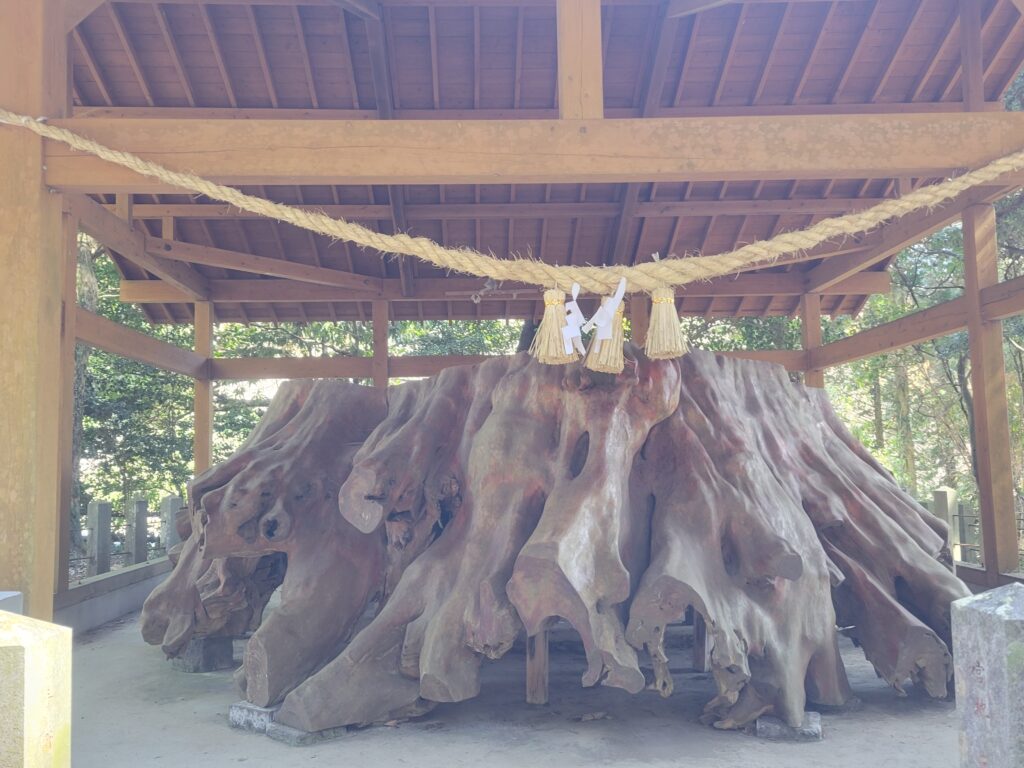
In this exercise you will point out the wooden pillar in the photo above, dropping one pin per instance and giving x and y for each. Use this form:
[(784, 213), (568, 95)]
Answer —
[(639, 318), (380, 344), (69, 303), (988, 390), (810, 329), (202, 439), (580, 72), (538, 665), (972, 77), (33, 81)]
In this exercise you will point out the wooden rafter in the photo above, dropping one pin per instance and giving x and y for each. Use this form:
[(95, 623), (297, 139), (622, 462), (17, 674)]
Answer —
[(890, 62), (129, 50), (855, 53), (160, 13), (91, 64), (218, 54)]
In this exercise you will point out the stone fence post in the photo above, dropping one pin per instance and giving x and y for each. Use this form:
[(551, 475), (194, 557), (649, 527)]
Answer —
[(137, 530), (99, 537), (944, 506), (168, 522)]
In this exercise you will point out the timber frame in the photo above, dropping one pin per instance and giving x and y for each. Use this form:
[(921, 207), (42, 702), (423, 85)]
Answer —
[(580, 131)]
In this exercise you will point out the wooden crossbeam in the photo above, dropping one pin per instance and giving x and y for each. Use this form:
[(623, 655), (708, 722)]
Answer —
[(117, 235), (101, 333), (470, 211), (538, 151), (1003, 300), (895, 237), (940, 320), (246, 262), (449, 289), (252, 368)]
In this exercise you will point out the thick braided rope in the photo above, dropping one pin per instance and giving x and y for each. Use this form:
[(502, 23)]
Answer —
[(640, 277)]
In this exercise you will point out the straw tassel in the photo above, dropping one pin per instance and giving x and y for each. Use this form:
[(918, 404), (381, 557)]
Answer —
[(548, 344), (605, 355), (664, 336)]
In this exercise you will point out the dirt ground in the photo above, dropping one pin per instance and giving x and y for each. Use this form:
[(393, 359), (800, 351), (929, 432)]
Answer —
[(132, 709)]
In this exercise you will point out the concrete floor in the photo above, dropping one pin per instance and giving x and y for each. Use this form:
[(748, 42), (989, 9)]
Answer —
[(132, 709)]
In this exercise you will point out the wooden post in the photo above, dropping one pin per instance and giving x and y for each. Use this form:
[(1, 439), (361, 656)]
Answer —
[(202, 445), (700, 642), (810, 328), (380, 344), (639, 318), (538, 665), (972, 77), (33, 81), (988, 389), (580, 71), (69, 304)]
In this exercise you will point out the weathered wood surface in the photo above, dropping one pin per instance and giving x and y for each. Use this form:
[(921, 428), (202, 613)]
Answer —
[(477, 506)]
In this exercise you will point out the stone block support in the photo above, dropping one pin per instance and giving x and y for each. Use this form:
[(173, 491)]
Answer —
[(988, 653), (137, 530), (169, 522), (35, 693)]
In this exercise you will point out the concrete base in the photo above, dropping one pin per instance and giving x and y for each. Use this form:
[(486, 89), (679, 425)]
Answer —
[(773, 729), (12, 602), (249, 717), (206, 654), (293, 737)]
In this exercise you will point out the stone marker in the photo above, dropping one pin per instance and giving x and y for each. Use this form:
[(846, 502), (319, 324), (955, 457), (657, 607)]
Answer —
[(35, 693), (988, 653), (12, 602)]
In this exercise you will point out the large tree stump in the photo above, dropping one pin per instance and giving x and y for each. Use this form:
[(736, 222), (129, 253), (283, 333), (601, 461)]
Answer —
[(480, 505)]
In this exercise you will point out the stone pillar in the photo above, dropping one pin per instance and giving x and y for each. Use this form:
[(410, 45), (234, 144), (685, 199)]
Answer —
[(988, 653), (168, 522), (137, 529), (98, 547), (35, 694)]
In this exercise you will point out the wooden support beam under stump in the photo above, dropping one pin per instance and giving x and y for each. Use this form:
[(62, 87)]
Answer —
[(538, 665)]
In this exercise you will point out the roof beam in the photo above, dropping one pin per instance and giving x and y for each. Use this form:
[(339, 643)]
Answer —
[(453, 288), (471, 211), (677, 8), (117, 235), (537, 151), (895, 237), (261, 265), (580, 71)]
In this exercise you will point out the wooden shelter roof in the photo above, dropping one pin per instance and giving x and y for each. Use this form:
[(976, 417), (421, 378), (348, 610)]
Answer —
[(494, 60)]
